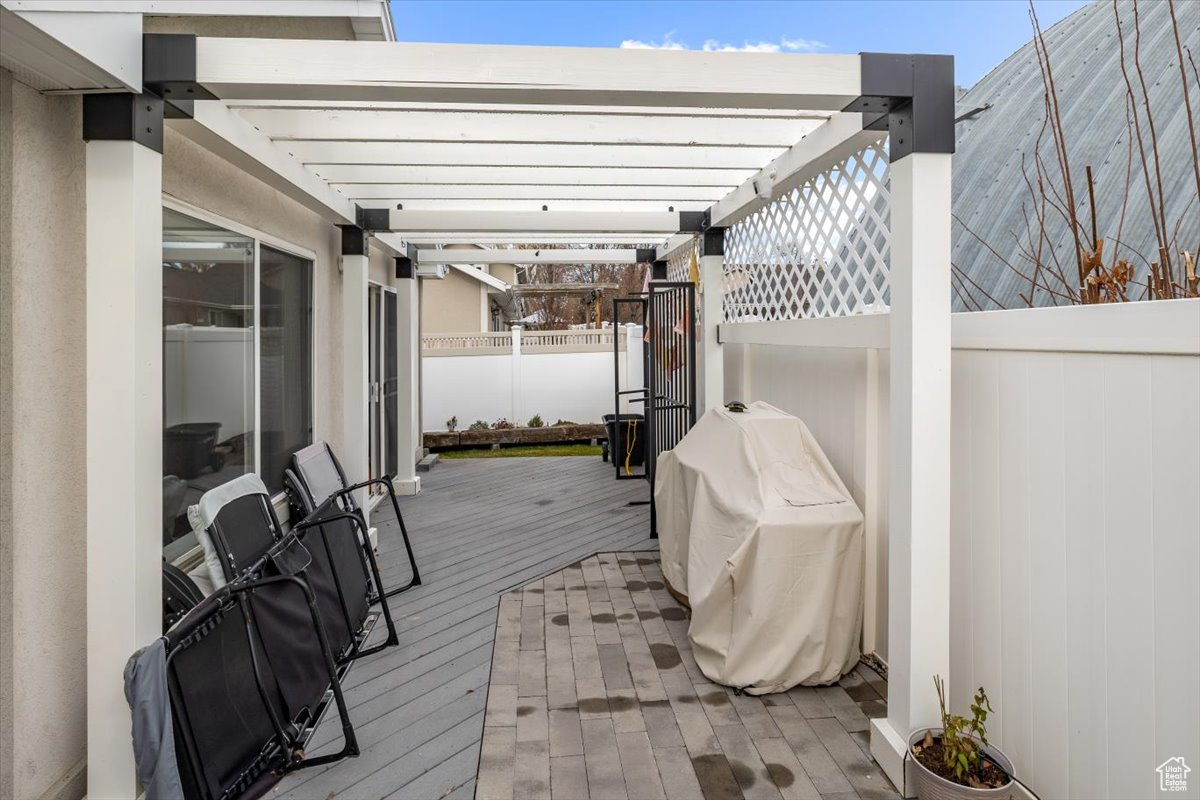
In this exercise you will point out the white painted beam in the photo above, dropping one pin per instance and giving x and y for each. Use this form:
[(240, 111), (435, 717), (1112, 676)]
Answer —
[(830, 143), (534, 222), (488, 238), (537, 206), (530, 155), (674, 244), (356, 125), (224, 133), (641, 112), (123, 186), (426, 191), (558, 255), (369, 71), (508, 175), (919, 455), (71, 51)]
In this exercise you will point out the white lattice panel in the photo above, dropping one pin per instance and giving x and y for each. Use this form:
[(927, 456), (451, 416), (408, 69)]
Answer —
[(822, 250), (679, 265)]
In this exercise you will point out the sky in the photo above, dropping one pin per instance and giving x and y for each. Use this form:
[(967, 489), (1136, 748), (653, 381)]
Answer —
[(979, 33)]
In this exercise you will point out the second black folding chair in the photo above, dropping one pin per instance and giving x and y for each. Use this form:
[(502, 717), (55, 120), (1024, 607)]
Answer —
[(319, 489)]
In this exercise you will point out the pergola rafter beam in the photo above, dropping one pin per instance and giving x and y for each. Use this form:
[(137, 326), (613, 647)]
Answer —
[(647, 224), (827, 144), (222, 132), (481, 154), (558, 255), (532, 191), (370, 71), (602, 206), (499, 176), (356, 125)]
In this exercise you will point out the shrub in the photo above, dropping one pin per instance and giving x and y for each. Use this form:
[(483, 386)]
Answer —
[(565, 422), (502, 425), (452, 424), (536, 421), (479, 425)]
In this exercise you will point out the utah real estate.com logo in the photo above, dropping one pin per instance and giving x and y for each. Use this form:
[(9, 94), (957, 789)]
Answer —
[(1172, 775)]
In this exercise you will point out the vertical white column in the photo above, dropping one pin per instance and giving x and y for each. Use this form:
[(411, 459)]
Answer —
[(712, 358), (919, 457), (516, 375), (408, 349), (355, 375), (124, 441)]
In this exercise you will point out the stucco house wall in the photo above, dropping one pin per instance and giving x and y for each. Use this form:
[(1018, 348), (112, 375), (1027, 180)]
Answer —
[(42, 407), (453, 304), (42, 430)]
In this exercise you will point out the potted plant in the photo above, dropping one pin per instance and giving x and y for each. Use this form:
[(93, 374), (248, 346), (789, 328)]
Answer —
[(956, 762)]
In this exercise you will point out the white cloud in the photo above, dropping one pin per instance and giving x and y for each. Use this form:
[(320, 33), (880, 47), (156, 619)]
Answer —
[(668, 43), (715, 46)]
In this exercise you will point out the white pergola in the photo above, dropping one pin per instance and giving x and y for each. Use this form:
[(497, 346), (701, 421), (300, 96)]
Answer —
[(418, 144)]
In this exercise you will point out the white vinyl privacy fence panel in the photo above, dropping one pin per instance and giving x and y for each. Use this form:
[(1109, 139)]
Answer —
[(1075, 524), (555, 374), (820, 250)]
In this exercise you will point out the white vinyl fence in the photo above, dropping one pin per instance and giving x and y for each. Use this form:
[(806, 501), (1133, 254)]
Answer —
[(1075, 549), (514, 375)]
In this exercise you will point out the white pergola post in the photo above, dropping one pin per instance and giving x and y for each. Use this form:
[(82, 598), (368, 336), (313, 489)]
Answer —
[(712, 359), (124, 417), (408, 348), (355, 375), (919, 483)]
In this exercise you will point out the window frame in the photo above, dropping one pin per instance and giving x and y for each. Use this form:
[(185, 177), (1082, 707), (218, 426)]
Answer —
[(279, 499)]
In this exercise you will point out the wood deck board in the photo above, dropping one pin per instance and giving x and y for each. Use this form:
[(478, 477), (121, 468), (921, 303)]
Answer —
[(479, 528)]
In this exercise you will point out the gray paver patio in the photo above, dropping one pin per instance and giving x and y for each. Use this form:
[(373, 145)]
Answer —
[(611, 704)]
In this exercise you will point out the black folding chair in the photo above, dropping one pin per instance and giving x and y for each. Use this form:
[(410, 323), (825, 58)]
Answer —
[(242, 528), (249, 674), (318, 488)]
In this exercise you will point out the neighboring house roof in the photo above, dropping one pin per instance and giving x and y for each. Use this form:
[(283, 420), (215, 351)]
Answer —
[(989, 189)]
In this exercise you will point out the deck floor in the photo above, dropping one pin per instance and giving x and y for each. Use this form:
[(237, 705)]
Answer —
[(480, 528), (595, 694)]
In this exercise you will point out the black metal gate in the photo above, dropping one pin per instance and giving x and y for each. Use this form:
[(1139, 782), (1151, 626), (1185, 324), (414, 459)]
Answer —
[(670, 360), (627, 431)]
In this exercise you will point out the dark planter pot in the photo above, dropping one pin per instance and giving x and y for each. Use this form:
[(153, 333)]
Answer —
[(931, 786)]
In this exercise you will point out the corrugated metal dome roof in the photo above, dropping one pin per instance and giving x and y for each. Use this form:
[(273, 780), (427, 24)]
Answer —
[(990, 193)]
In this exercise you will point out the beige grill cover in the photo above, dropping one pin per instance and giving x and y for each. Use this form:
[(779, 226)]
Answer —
[(757, 529)]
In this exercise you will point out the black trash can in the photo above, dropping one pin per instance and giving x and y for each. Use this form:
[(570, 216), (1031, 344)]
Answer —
[(619, 427), (188, 448)]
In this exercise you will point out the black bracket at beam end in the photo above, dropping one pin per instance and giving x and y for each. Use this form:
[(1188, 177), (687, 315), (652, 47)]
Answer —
[(658, 271), (373, 219), (912, 98), (646, 255), (355, 240), (693, 221), (169, 68)]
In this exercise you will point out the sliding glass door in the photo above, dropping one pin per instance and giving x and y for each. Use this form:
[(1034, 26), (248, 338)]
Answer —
[(383, 391)]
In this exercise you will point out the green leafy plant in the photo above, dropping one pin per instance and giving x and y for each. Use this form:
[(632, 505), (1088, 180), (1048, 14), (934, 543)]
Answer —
[(962, 738), (479, 425), (536, 421)]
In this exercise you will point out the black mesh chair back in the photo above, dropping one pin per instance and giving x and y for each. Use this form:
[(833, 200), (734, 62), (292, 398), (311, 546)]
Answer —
[(248, 671), (240, 522), (319, 485), (340, 574)]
